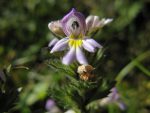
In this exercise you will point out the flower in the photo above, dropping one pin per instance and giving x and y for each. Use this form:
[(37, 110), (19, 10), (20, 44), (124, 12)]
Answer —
[(2, 76), (114, 98), (49, 104), (75, 27)]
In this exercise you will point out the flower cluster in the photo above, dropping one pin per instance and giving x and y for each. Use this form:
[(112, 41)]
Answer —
[(77, 30)]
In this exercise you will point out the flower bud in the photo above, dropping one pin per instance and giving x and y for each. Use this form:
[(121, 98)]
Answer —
[(56, 28)]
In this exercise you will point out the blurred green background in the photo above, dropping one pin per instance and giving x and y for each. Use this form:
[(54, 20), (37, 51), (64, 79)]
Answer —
[(24, 36)]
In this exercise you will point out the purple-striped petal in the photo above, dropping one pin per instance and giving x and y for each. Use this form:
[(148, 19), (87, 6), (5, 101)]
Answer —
[(89, 22), (92, 24), (74, 23), (60, 45), (53, 42), (80, 56), (69, 57), (104, 22), (93, 43), (95, 22), (86, 45), (56, 28), (62, 40)]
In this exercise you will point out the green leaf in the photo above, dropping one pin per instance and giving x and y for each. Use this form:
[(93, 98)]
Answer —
[(142, 68), (57, 65)]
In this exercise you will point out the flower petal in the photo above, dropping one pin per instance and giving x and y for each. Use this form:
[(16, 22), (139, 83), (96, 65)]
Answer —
[(56, 28), (60, 45), (89, 21), (69, 57), (104, 22), (53, 42), (121, 105), (88, 46), (62, 40), (80, 56), (93, 43), (92, 23), (95, 22), (49, 104), (105, 101), (73, 23)]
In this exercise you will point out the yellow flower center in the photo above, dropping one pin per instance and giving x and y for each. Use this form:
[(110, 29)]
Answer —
[(75, 41)]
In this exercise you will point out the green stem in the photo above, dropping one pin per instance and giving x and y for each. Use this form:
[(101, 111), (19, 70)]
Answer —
[(131, 65)]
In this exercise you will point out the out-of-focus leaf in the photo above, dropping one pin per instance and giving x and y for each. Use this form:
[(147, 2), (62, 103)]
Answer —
[(33, 94), (39, 92), (2, 76), (21, 67), (127, 13), (142, 68), (24, 60), (131, 65)]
